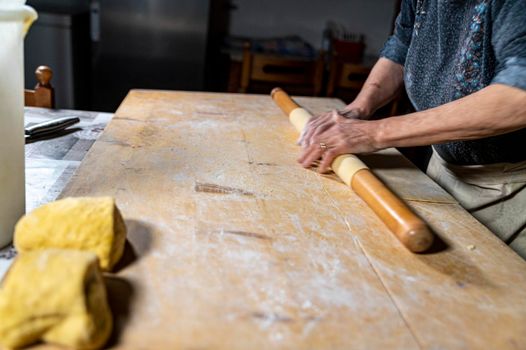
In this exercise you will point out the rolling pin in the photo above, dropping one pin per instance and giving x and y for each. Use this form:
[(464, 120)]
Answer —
[(396, 215)]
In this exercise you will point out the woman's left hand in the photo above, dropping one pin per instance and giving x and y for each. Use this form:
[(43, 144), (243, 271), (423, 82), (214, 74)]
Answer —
[(339, 136)]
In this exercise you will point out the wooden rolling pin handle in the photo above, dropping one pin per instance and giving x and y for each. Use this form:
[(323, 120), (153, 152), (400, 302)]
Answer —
[(283, 100), (396, 215)]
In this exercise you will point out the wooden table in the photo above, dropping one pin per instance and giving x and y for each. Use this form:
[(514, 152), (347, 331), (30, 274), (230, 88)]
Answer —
[(232, 245)]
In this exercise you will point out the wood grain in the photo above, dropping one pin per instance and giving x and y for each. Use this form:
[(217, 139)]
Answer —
[(232, 245)]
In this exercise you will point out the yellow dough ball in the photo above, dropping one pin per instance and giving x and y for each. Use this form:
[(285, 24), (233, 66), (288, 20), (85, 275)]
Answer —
[(91, 224), (55, 296)]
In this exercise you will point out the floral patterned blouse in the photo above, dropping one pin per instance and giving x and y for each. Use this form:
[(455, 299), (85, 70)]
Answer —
[(453, 48)]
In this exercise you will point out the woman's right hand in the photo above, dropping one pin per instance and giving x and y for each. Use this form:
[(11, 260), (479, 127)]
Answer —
[(322, 122)]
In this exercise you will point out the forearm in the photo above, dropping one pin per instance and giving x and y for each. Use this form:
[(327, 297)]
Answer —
[(382, 85), (494, 110)]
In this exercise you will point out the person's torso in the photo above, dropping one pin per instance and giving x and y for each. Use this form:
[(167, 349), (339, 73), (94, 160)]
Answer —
[(451, 56)]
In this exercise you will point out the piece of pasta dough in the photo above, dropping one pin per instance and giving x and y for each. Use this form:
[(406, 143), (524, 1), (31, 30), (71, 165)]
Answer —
[(56, 296), (84, 223)]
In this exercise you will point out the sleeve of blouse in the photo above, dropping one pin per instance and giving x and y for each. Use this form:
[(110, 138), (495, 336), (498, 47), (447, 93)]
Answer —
[(509, 43), (395, 49)]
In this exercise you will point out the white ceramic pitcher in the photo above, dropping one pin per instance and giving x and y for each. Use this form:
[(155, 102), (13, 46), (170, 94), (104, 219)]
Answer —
[(15, 20)]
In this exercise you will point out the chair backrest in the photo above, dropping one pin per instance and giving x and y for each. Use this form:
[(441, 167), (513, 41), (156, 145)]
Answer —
[(350, 76), (273, 70), (44, 94), (347, 73)]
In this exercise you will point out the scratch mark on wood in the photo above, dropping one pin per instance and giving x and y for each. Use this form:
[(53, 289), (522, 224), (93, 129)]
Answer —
[(116, 142), (208, 113), (248, 234), (272, 317), (134, 170), (245, 142), (263, 164), (128, 119), (429, 201), (218, 189)]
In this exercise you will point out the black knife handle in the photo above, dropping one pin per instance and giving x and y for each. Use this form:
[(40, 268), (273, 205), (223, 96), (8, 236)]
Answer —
[(51, 126)]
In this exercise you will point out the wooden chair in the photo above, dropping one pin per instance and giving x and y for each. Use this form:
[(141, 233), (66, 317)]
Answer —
[(347, 73), (347, 76), (44, 94), (262, 72)]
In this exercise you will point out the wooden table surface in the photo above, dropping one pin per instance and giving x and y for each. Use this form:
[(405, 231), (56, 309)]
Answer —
[(232, 245)]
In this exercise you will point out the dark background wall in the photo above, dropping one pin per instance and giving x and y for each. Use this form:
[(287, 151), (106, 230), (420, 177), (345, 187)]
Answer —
[(173, 44), (308, 18)]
